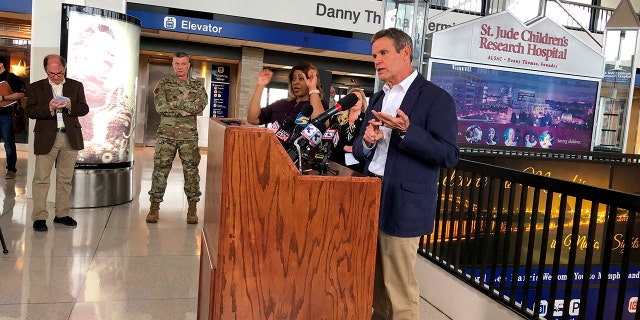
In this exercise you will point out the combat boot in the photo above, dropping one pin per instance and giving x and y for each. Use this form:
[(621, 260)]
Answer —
[(154, 212), (192, 216)]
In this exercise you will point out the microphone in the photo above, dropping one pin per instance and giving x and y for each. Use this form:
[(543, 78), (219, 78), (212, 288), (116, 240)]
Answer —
[(345, 103), (313, 133), (303, 117), (331, 135), (329, 141), (301, 121), (282, 131), (310, 137)]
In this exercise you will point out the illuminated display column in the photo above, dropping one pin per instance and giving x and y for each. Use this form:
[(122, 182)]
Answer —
[(101, 48)]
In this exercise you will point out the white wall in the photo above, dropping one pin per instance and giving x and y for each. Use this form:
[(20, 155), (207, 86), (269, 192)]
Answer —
[(454, 298), (614, 3)]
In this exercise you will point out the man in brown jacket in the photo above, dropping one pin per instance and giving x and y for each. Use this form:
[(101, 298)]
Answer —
[(55, 103)]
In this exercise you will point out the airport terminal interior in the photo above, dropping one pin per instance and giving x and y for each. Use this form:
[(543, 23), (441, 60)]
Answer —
[(114, 265)]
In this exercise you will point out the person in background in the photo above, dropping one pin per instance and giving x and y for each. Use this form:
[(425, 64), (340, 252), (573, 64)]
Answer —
[(492, 138), (304, 87), (332, 97), (7, 102), (349, 123), (55, 103), (179, 99), (511, 137), (474, 134), (410, 132), (530, 139), (546, 139)]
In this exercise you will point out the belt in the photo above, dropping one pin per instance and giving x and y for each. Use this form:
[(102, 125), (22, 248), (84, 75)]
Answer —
[(63, 130), (371, 174)]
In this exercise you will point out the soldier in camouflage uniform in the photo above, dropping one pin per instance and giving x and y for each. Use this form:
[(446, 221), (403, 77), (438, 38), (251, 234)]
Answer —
[(178, 100)]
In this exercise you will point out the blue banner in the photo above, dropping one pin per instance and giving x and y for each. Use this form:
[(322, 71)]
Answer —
[(250, 32), (219, 92), (19, 6), (555, 309)]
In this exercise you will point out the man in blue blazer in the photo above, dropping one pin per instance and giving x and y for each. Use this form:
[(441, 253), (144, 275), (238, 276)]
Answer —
[(411, 133)]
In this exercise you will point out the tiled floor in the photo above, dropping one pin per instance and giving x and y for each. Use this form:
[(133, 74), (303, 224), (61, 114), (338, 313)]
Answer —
[(113, 265)]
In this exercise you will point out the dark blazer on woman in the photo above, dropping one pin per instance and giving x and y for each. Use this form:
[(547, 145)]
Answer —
[(39, 94), (409, 187)]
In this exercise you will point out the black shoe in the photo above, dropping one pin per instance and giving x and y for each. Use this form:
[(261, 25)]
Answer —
[(67, 221), (40, 225)]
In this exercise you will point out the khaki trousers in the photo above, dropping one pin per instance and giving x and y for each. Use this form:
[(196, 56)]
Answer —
[(64, 157), (395, 291)]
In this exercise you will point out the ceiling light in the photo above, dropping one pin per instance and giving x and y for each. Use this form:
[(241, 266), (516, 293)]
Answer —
[(360, 75)]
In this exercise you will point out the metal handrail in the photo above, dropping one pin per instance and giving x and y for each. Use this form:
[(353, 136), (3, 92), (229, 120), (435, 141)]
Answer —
[(587, 31), (535, 243)]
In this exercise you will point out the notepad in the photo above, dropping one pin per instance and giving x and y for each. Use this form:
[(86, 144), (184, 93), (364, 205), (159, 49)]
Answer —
[(349, 159), (61, 99)]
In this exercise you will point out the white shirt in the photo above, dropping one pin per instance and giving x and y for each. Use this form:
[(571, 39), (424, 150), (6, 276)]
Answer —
[(392, 100), (56, 88)]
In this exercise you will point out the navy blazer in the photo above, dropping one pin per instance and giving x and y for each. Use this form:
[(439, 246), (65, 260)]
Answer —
[(39, 94), (409, 188)]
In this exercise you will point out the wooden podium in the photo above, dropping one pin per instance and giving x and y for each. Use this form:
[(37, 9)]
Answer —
[(277, 244)]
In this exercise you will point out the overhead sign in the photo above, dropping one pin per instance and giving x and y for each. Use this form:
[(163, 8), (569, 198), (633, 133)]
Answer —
[(250, 32), (363, 16), (617, 75), (503, 40)]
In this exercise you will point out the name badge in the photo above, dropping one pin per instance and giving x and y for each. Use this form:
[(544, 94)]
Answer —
[(59, 119)]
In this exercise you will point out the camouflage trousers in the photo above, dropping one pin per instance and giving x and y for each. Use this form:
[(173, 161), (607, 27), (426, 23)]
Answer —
[(165, 152)]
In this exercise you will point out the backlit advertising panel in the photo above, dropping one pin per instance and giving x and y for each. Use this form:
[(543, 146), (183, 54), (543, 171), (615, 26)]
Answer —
[(512, 108), (102, 48)]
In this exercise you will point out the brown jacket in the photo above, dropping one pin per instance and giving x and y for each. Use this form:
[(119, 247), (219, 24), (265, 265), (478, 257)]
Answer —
[(39, 94)]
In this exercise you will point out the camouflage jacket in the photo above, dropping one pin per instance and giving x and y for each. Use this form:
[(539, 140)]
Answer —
[(178, 103)]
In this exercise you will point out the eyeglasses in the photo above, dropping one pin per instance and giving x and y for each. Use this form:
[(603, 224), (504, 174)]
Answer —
[(57, 74)]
